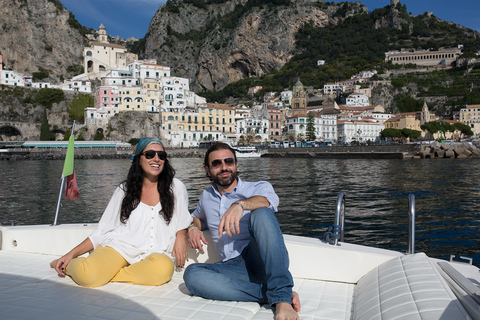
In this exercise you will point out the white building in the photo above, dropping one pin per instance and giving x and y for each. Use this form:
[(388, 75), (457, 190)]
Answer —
[(328, 127), (381, 117), (75, 85), (286, 96), (256, 126), (331, 88), (365, 74), (325, 127), (357, 100), (12, 78), (119, 78), (148, 69), (358, 130), (99, 57), (174, 92), (98, 118)]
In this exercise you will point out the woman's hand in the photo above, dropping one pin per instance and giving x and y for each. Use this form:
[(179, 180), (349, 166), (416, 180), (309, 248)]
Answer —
[(62, 263), (180, 248)]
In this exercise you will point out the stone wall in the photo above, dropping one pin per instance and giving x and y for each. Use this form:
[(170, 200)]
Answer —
[(450, 150)]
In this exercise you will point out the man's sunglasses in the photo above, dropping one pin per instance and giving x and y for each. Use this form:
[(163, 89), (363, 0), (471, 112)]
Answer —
[(218, 162), (150, 154)]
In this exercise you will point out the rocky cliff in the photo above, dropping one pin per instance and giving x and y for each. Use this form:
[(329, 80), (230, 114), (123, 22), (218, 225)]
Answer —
[(217, 44), (39, 34)]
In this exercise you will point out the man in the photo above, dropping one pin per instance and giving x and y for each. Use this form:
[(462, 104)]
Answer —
[(247, 237)]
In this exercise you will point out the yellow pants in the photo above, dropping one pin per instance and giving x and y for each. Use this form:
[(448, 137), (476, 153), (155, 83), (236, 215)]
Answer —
[(105, 264)]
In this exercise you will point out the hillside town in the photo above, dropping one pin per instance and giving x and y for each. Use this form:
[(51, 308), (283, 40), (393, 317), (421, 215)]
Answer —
[(128, 84)]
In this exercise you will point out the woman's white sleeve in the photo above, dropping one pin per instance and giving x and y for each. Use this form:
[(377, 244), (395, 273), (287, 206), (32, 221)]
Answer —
[(110, 219), (181, 206)]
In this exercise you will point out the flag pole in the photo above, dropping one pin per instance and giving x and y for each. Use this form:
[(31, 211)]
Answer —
[(62, 186)]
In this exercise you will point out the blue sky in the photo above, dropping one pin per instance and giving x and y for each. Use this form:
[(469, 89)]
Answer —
[(131, 18)]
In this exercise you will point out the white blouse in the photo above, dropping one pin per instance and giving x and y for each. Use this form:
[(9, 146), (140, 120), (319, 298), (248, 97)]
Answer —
[(145, 231)]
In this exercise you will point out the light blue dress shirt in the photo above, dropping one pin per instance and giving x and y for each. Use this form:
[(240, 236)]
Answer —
[(212, 206)]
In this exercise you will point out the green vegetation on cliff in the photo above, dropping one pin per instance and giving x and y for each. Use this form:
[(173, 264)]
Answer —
[(359, 43), (48, 96)]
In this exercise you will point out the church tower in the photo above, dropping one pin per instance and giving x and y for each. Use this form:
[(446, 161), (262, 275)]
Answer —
[(299, 100), (425, 117), (102, 34)]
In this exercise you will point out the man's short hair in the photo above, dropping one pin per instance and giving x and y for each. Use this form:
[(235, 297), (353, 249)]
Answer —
[(217, 146)]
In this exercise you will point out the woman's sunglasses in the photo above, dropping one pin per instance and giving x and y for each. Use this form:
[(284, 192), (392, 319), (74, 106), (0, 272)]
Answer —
[(150, 154), (218, 162)]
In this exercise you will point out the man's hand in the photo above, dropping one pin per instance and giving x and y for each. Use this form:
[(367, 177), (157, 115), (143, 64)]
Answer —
[(230, 222), (196, 239)]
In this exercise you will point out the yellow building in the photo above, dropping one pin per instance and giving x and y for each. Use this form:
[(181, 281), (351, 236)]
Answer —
[(409, 120), (218, 117), (152, 94), (131, 99), (471, 116), (189, 126)]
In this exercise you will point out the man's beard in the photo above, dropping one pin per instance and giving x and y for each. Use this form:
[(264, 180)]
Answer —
[(227, 181)]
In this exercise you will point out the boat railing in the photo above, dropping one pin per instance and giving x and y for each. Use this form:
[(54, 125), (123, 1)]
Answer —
[(336, 233), (411, 224), (339, 226)]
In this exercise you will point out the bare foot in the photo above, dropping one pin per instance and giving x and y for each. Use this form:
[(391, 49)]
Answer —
[(53, 264), (285, 311), (288, 311), (295, 301)]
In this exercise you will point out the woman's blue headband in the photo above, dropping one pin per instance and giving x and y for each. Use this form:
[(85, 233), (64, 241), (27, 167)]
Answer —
[(142, 144)]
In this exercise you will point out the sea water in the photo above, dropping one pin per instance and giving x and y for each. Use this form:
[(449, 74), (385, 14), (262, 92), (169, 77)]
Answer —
[(376, 192)]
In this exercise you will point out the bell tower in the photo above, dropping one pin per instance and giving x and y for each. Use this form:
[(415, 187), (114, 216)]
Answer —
[(102, 34), (299, 100), (425, 116)]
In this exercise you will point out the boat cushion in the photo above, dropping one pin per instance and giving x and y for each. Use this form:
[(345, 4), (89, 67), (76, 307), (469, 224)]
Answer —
[(406, 287)]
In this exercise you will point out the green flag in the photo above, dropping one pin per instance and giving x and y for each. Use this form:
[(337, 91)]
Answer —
[(68, 165)]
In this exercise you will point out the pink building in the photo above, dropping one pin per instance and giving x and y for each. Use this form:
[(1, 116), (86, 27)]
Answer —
[(106, 97), (275, 119)]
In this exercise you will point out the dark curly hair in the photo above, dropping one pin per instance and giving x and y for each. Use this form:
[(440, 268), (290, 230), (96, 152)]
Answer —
[(133, 190)]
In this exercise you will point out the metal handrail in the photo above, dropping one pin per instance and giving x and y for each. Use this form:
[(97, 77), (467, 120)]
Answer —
[(339, 224), (411, 224)]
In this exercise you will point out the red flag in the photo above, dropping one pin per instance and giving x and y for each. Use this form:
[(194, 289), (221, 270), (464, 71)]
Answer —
[(71, 191)]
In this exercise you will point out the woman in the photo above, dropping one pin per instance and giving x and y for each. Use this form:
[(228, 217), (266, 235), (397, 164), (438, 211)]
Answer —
[(144, 222)]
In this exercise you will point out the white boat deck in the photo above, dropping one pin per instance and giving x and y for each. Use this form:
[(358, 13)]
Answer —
[(32, 290), (333, 282)]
